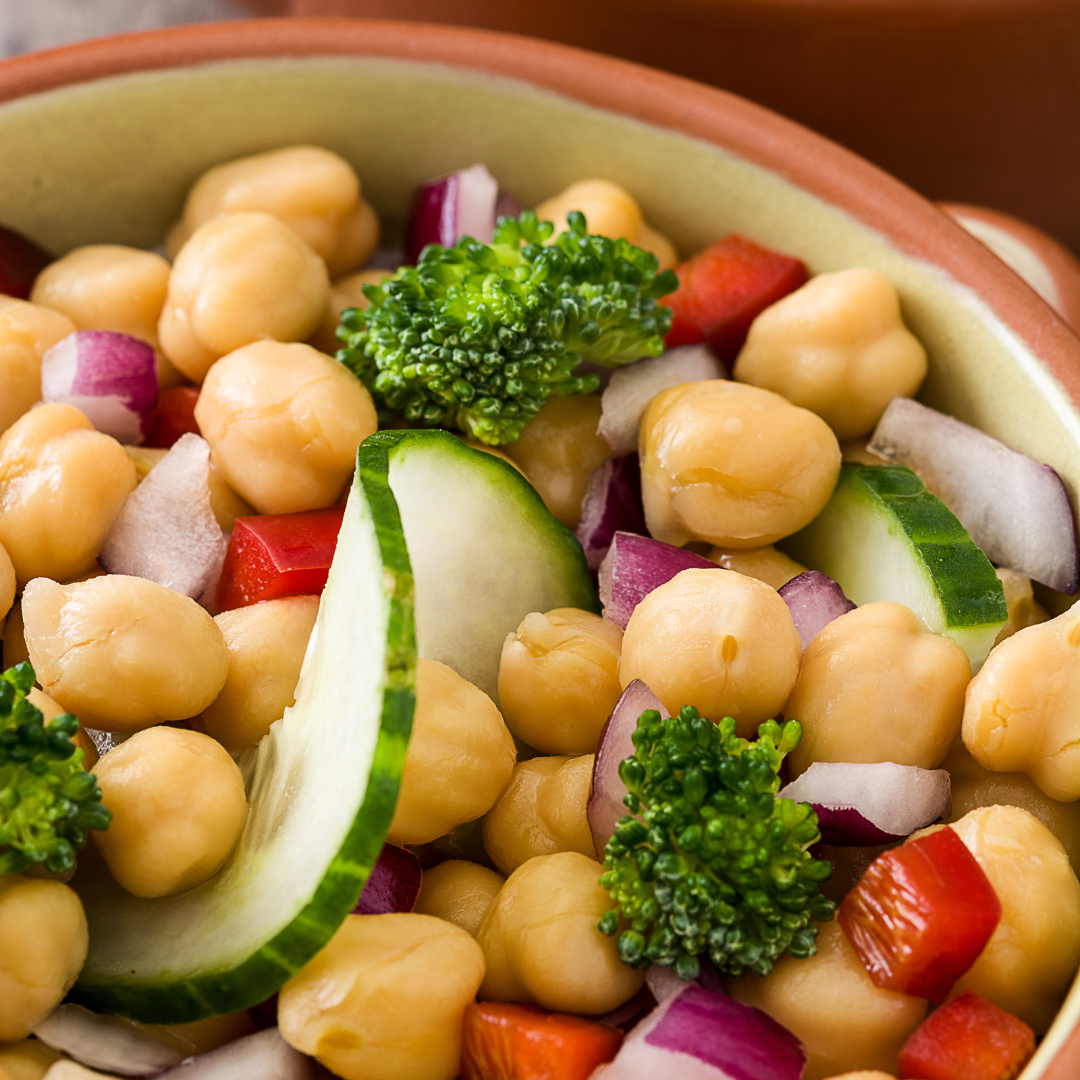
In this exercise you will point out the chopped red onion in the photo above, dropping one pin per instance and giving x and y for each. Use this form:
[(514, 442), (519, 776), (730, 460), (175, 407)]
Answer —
[(445, 210), (392, 885), (814, 600), (664, 983), (632, 1012), (166, 530), (607, 790), (630, 389), (612, 504), (112, 378), (264, 1055), (1015, 508), (634, 566), (507, 206), (861, 805), (697, 1034)]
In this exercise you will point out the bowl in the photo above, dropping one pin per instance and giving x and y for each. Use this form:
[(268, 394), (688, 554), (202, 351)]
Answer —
[(101, 141)]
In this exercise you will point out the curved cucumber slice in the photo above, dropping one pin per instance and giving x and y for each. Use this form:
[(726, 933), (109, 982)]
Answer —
[(883, 536), (322, 789), (485, 550)]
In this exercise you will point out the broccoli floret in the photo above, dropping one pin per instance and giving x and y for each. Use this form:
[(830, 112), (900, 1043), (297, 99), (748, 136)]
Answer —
[(47, 800), (713, 862), (478, 336)]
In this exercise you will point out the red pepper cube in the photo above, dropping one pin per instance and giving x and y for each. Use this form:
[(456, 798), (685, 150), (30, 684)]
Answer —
[(21, 261), (723, 289), (967, 1038), (175, 416), (921, 914), (501, 1041), (278, 555)]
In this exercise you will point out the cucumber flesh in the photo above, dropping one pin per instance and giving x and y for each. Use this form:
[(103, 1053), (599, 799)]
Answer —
[(883, 536), (322, 789)]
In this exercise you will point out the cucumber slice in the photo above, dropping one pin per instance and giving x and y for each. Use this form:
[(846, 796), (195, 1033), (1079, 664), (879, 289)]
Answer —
[(322, 788), (883, 536), (485, 550)]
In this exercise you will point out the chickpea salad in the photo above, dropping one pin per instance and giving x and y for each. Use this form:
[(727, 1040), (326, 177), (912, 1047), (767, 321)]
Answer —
[(521, 655)]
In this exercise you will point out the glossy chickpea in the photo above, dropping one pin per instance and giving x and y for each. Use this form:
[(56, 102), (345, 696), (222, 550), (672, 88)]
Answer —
[(7, 584), (45, 938), (385, 999), (266, 644), (283, 422), (27, 331), (765, 563), (559, 679), (61, 485), (178, 807), (1022, 712), (559, 449), (28, 1059), (838, 347), (829, 1003), (876, 686), (311, 190), (123, 653), (345, 292), (240, 278), (460, 757), (460, 892), (734, 465), (1024, 610), (541, 812), (715, 639), (542, 945)]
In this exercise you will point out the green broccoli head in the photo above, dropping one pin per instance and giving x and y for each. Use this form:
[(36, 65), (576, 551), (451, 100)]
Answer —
[(47, 800), (712, 862), (478, 336)]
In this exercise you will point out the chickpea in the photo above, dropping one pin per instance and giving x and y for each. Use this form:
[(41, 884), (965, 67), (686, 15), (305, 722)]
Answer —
[(266, 644), (1022, 712), (61, 485), (26, 1060), (610, 210), (27, 332), (7, 584), (559, 449), (542, 945), (283, 423), (734, 465), (178, 807), (876, 686), (559, 679), (858, 452), (45, 938), (311, 190), (240, 277), (542, 811), (1032, 956), (123, 653), (715, 639), (385, 1000), (1024, 610), (838, 347), (460, 757), (460, 892), (829, 1002), (765, 563), (345, 293)]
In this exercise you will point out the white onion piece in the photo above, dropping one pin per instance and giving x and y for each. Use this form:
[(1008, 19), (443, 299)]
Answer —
[(1015, 508), (634, 566), (166, 530), (611, 504), (698, 1034), (446, 209), (664, 983), (607, 790), (863, 805), (630, 389), (104, 1042), (262, 1056), (814, 600), (112, 378), (72, 1070)]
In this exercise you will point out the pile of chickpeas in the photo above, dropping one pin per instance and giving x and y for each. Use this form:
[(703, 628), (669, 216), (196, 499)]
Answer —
[(263, 260)]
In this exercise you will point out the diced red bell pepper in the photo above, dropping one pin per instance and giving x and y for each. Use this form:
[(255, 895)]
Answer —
[(21, 261), (278, 555), (501, 1041), (723, 289), (392, 885), (175, 416), (968, 1038), (921, 914)]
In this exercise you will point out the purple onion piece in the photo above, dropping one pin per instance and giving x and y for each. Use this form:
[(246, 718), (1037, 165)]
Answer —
[(446, 209), (844, 826), (392, 885), (612, 503), (507, 206), (814, 600)]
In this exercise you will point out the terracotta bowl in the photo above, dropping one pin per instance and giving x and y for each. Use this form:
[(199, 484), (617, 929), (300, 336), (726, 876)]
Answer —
[(101, 141)]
